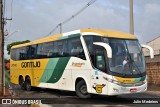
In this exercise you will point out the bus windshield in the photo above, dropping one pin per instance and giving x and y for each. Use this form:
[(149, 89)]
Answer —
[(127, 57)]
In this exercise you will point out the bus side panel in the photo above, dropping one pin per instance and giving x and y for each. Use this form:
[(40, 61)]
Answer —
[(15, 71), (80, 69), (53, 72), (66, 82), (33, 71), (37, 72)]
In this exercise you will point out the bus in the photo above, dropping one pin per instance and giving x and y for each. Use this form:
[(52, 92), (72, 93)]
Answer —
[(87, 61)]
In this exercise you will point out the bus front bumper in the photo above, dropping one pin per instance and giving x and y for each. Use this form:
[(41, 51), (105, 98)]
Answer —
[(115, 89)]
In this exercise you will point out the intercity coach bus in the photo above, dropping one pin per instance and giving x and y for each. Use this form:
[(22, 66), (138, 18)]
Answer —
[(87, 61)]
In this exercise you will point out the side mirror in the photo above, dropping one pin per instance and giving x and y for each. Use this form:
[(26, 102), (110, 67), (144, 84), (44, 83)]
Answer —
[(106, 46), (150, 50)]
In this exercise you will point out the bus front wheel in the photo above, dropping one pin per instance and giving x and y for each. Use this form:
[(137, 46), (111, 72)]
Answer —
[(81, 90), (28, 84)]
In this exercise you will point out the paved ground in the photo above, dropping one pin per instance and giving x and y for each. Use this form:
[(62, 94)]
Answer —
[(69, 99)]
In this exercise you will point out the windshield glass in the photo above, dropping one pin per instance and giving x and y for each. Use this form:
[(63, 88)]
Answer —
[(127, 57)]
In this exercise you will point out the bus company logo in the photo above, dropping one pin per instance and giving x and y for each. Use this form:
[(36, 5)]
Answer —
[(30, 64), (77, 64), (98, 88)]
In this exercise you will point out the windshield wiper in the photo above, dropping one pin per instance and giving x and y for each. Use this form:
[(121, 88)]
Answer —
[(133, 62)]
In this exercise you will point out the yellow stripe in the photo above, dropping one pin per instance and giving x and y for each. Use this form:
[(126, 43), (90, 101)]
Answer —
[(106, 33), (110, 33), (125, 80), (47, 39)]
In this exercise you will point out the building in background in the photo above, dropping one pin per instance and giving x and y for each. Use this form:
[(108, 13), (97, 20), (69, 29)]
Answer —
[(153, 65)]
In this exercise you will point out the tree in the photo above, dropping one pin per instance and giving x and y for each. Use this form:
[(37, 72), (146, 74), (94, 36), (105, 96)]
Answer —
[(15, 43)]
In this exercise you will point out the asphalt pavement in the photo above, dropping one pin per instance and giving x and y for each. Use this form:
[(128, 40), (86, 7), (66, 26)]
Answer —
[(58, 98)]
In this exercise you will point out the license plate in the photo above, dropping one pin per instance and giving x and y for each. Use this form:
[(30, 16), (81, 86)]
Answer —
[(133, 90)]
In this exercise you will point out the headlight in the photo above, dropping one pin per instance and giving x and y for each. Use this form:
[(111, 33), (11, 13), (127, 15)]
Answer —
[(113, 81)]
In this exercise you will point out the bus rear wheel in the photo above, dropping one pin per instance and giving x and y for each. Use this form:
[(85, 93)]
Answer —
[(28, 84), (81, 90), (22, 83)]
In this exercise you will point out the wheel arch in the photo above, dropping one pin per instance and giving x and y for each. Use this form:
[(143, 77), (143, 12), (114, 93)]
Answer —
[(20, 76), (79, 79), (27, 76)]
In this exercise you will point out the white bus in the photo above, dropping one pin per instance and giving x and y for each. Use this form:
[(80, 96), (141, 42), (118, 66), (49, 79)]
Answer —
[(88, 61)]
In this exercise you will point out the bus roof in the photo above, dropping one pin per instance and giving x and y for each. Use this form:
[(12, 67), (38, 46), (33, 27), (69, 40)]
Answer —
[(105, 33)]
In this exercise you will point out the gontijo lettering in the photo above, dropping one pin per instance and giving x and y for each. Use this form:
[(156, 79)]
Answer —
[(30, 64)]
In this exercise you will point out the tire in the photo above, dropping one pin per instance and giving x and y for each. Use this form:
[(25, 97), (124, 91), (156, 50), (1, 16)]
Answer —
[(28, 84), (81, 90), (22, 83)]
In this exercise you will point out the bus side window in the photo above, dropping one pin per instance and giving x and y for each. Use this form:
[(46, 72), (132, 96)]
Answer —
[(33, 52), (50, 49), (55, 50), (47, 50), (17, 54), (65, 48), (13, 54), (39, 51), (100, 60), (69, 47), (22, 53), (60, 46), (77, 49)]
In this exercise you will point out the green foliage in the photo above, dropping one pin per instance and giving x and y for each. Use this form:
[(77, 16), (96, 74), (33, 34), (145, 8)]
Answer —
[(7, 78), (15, 43)]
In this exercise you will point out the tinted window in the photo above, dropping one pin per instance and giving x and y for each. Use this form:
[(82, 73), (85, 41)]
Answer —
[(89, 39), (39, 51), (100, 59), (23, 53), (47, 49), (61, 48), (13, 54), (65, 48), (55, 49), (76, 48), (33, 52), (17, 54)]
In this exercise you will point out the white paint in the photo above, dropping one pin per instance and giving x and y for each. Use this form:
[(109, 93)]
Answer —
[(150, 50), (90, 33), (71, 33), (107, 47)]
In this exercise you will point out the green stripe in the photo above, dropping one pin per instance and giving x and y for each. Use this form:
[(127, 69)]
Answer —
[(137, 79), (69, 36), (49, 69), (54, 70), (140, 79), (59, 69), (143, 78)]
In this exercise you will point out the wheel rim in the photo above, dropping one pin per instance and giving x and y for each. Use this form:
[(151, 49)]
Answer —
[(83, 89)]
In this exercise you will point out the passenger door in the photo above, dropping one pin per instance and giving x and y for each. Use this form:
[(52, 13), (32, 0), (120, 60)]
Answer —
[(97, 80)]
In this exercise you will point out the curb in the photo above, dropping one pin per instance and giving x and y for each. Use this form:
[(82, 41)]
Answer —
[(154, 92)]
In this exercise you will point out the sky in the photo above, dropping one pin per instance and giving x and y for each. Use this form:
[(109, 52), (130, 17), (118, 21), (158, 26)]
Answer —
[(34, 19)]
